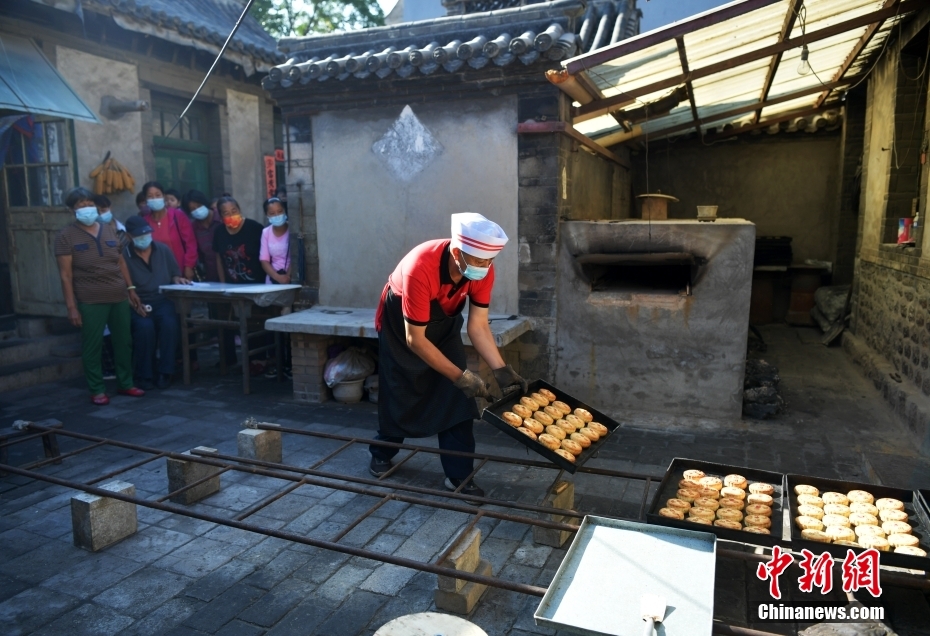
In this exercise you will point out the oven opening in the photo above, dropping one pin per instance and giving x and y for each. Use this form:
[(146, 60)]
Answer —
[(667, 273)]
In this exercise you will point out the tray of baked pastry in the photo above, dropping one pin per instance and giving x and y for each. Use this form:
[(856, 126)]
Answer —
[(549, 421), (734, 503), (833, 515), (611, 564)]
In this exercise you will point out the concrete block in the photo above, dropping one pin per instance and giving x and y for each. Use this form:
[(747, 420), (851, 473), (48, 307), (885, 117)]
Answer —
[(260, 444), (464, 558), (464, 601), (182, 473), (98, 522), (561, 496)]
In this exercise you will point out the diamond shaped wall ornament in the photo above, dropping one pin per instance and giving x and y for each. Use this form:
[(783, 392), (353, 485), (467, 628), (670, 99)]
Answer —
[(407, 147)]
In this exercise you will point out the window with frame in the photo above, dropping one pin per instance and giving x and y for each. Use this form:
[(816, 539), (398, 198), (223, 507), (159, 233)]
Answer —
[(37, 163), (189, 129)]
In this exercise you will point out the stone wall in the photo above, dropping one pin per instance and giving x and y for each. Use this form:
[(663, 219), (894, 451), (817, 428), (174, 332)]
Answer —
[(893, 318)]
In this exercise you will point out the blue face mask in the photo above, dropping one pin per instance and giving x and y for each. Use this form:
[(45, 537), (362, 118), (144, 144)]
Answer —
[(142, 242), (471, 272), (201, 213), (106, 217), (278, 220), (156, 205), (86, 216)]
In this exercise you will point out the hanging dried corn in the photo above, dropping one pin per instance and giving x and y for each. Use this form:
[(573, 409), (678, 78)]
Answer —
[(111, 177)]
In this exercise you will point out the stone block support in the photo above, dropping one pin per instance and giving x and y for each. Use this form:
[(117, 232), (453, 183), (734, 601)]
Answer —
[(457, 595), (560, 496), (98, 522), (260, 444), (308, 357), (183, 473)]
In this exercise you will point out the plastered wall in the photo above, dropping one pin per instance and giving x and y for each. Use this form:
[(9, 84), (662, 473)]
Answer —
[(245, 152)]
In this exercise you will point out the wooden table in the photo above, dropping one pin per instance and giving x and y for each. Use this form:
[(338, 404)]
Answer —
[(240, 299)]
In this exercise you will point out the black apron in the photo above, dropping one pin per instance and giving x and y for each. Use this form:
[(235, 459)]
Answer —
[(413, 399)]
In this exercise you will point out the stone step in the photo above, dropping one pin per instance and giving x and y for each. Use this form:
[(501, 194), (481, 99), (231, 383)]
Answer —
[(16, 350), (38, 371)]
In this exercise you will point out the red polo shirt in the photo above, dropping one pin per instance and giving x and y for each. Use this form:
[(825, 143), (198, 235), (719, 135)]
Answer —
[(423, 276)]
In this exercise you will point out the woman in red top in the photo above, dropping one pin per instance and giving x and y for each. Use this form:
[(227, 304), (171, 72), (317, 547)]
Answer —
[(424, 386), (171, 227)]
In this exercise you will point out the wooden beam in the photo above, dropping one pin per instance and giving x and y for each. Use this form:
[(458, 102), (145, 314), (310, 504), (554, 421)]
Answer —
[(683, 58), (771, 122), (860, 46), (748, 108), (790, 19), (657, 36), (613, 102), (563, 128)]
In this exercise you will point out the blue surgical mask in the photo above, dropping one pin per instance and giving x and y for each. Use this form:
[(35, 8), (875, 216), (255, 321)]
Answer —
[(278, 220), (106, 217), (471, 272), (142, 242), (201, 213), (156, 205), (86, 216)]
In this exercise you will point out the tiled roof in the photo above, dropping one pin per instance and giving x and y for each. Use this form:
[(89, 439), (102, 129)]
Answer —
[(545, 31), (203, 24)]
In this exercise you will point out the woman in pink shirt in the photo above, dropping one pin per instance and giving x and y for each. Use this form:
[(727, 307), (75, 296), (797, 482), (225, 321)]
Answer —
[(275, 253), (171, 227)]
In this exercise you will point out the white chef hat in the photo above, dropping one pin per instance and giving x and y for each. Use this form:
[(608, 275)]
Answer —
[(477, 236)]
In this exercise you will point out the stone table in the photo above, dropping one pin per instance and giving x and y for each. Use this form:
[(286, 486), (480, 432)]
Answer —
[(314, 330)]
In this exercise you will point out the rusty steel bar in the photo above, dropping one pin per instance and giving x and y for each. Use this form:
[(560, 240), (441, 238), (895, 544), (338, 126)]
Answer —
[(202, 480), (55, 460), (361, 518), (390, 471), (458, 539), (471, 475), (440, 451), (531, 590), (114, 473), (270, 499), (20, 439), (331, 455), (327, 482), (373, 482)]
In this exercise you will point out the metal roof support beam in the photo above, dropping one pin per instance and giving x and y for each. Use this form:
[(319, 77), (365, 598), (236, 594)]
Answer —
[(860, 46), (613, 102), (683, 57), (771, 122), (790, 19), (742, 110), (561, 127), (678, 29)]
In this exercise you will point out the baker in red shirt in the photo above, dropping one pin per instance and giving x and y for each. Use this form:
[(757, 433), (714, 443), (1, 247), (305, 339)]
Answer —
[(424, 387)]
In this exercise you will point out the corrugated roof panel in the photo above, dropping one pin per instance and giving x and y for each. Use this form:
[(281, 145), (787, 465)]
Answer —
[(740, 86), (597, 126)]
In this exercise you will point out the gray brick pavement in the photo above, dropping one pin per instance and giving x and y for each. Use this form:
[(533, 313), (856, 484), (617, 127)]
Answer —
[(184, 576)]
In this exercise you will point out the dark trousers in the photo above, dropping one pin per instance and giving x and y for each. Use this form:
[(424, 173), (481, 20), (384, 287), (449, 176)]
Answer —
[(159, 331), (460, 437)]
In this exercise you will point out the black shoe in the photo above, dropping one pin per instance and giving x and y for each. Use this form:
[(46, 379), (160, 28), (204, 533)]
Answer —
[(378, 467), (145, 385), (164, 380), (471, 489)]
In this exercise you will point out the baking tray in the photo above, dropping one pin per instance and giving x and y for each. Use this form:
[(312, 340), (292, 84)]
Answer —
[(493, 413), (917, 517), (675, 473), (612, 563)]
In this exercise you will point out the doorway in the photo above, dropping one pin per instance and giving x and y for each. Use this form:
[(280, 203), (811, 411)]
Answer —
[(183, 159)]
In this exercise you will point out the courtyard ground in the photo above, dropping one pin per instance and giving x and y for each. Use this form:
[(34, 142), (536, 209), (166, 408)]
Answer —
[(177, 575)]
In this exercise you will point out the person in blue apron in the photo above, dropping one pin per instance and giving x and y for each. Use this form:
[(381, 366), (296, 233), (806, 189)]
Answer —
[(424, 387)]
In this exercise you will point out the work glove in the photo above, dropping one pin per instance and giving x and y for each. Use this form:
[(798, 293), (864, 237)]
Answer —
[(473, 386), (509, 381)]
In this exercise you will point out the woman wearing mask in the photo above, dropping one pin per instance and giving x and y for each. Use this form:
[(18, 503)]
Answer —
[(275, 253), (171, 227), (106, 217), (237, 245), (98, 292), (204, 222)]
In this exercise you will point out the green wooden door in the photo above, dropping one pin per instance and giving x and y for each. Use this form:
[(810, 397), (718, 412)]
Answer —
[(182, 166)]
